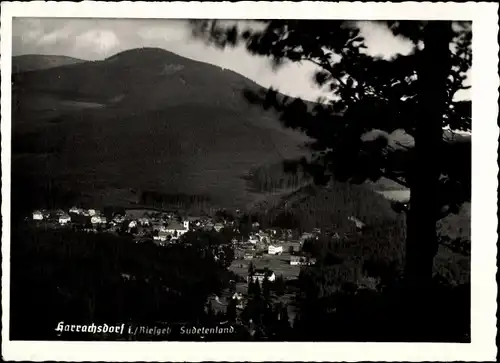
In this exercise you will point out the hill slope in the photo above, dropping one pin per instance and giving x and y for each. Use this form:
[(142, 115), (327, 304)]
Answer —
[(145, 119), (34, 62)]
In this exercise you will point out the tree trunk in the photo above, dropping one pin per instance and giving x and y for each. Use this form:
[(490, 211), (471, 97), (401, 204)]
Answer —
[(434, 68)]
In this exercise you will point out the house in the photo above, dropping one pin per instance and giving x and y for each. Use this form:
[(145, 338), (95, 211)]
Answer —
[(297, 260), (218, 227), (239, 253), (238, 297), (248, 256), (359, 225), (260, 245), (273, 231), (176, 229), (64, 219), (302, 261), (253, 239), (132, 224), (95, 219), (275, 250), (162, 236), (118, 218), (292, 246), (144, 221), (37, 215), (75, 210), (158, 226), (255, 224), (306, 235), (263, 237), (92, 212), (260, 275), (208, 225)]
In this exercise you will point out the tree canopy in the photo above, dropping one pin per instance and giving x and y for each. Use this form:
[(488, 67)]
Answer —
[(374, 103)]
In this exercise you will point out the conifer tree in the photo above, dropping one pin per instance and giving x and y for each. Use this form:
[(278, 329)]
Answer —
[(373, 99)]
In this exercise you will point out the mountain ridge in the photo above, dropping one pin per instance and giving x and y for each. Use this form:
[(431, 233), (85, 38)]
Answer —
[(125, 122), (35, 62)]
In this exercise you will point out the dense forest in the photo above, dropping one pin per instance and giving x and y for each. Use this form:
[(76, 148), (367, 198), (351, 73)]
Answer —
[(80, 278), (178, 201), (270, 178)]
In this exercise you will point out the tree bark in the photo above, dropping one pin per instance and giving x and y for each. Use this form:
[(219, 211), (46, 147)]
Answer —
[(434, 68)]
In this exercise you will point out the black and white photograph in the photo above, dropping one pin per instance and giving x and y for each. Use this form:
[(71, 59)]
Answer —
[(263, 178)]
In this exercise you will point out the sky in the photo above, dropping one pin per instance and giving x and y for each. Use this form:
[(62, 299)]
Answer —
[(97, 39)]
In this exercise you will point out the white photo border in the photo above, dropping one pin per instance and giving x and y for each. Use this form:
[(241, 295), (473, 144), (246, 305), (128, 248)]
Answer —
[(484, 221)]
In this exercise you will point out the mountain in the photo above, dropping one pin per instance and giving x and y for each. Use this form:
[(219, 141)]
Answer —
[(105, 132), (144, 119), (34, 62)]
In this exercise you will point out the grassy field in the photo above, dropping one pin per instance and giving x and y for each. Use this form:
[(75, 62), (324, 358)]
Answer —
[(279, 264)]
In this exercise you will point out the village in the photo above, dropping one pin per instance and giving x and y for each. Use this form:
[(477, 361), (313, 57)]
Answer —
[(259, 253)]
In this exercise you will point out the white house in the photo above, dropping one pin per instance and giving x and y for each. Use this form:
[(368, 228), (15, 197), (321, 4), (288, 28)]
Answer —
[(275, 250), (132, 224), (261, 275), (176, 229), (248, 256), (162, 236), (64, 219), (359, 224), (75, 210), (302, 261), (37, 215), (253, 239), (95, 219), (273, 231), (144, 221), (92, 212), (297, 260), (218, 227), (306, 236)]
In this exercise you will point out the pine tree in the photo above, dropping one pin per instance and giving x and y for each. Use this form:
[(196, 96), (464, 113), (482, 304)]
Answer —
[(231, 310), (251, 269), (266, 289), (257, 290), (279, 285), (413, 92)]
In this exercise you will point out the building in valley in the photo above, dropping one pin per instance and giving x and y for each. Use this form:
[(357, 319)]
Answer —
[(64, 219), (275, 250), (260, 275), (176, 229)]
